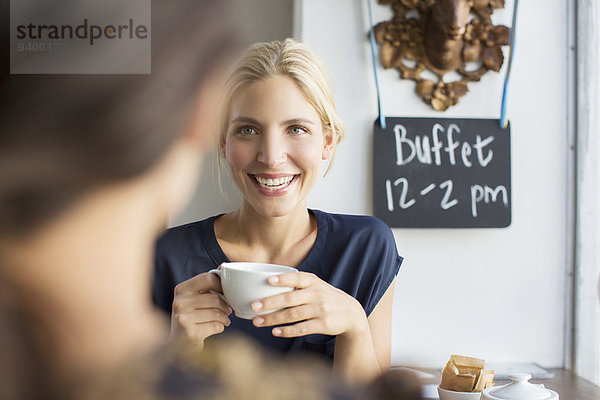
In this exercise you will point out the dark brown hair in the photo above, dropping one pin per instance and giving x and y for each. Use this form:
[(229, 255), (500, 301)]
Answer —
[(61, 135)]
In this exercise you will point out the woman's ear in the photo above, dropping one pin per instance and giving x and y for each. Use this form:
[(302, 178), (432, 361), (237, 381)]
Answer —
[(328, 145)]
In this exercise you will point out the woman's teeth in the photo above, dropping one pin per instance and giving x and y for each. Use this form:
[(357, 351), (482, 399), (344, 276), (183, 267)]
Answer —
[(274, 184)]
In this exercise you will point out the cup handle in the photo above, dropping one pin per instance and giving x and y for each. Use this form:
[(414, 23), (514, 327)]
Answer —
[(218, 273), (215, 271)]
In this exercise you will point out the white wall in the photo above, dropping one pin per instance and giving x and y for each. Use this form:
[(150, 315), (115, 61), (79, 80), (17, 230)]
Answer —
[(495, 293)]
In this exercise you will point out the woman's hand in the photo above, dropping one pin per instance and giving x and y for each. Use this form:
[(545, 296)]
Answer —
[(314, 307), (198, 313)]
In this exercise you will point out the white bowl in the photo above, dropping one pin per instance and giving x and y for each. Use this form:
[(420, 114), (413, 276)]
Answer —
[(452, 395)]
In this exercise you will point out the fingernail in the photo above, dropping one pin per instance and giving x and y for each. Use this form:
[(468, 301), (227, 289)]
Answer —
[(276, 331), (228, 322), (259, 321), (273, 279), (257, 305), (229, 310)]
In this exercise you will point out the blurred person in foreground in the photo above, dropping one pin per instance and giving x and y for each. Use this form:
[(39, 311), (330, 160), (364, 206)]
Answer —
[(91, 166)]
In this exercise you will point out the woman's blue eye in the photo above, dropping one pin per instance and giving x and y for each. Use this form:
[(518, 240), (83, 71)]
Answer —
[(247, 130), (297, 130)]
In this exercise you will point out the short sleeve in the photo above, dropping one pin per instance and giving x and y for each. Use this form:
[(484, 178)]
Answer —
[(386, 260)]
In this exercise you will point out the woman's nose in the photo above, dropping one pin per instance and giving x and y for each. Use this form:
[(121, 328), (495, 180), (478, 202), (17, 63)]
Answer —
[(272, 151)]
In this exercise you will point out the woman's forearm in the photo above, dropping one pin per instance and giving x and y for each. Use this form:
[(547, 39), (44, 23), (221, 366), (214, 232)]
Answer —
[(355, 359)]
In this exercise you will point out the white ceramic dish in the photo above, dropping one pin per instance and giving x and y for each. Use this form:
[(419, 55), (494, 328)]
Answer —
[(519, 389), (452, 395)]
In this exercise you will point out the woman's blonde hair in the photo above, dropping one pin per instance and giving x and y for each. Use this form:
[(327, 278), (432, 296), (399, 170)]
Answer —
[(292, 59)]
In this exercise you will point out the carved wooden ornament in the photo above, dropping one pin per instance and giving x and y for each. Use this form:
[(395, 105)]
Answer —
[(442, 36)]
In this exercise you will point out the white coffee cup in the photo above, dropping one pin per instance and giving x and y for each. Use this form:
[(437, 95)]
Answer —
[(245, 282)]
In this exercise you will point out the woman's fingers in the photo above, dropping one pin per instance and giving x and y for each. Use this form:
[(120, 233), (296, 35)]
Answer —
[(292, 298), (300, 329), (299, 280), (199, 283), (196, 312), (287, 316), (315, 307), (199, 332), (188, 303), (198, 317), (199, 324)]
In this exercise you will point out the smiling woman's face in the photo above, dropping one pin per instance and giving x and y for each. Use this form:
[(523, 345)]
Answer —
[(274, 146)]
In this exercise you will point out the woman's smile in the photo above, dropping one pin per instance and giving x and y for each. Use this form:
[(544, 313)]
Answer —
[(273, 184)]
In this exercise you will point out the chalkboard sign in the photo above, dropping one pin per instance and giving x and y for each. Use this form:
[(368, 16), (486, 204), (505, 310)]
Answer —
[(442, 173)]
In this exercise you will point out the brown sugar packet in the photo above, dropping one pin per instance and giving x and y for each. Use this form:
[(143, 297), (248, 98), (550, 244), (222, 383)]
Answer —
[(464, 361), (452, 379), (462, 374), (485, 380)]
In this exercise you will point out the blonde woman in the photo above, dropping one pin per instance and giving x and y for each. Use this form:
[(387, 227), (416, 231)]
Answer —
[(279, 125)]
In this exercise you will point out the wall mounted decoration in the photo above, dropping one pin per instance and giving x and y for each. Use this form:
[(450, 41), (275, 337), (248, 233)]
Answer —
[(442, 36)]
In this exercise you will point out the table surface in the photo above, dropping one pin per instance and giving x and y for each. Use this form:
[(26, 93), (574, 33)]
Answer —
[(568, 385), (571, 387)]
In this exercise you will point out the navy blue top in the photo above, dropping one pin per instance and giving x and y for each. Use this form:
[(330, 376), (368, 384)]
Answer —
[(356, 254)]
